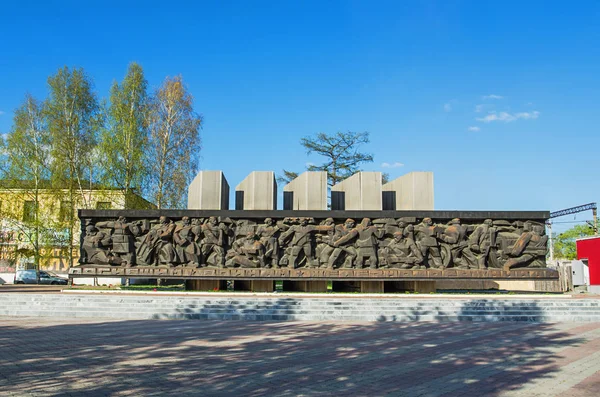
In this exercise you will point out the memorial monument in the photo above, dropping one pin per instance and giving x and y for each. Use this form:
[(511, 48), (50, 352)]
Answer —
[(307, 248)]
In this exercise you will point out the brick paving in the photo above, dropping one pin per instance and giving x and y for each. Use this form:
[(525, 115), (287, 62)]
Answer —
[(50, 357)]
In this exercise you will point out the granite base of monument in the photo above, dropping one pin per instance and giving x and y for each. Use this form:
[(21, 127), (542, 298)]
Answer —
[(310, 274), (254, 285), (206, 285), (304, 286)]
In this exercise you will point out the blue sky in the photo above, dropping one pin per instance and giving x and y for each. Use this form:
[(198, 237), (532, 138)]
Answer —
[(498, 99)]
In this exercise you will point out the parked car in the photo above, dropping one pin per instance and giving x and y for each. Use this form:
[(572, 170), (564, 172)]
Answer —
[(45, 277)]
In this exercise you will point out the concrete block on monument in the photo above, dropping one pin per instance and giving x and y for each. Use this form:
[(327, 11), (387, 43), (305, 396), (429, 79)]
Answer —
[(362, 191), (307, 192), (257, 192), (208, 191), (413, 191)]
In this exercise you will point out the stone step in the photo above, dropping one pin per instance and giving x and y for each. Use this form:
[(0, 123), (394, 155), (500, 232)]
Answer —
[(129, 306), (281, 309), (304, 317), (299, 301), (194, 305)]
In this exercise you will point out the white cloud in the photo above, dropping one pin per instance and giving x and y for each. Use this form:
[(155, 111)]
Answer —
[(502, 116), (528, 115), (508, 117), (392, 165), (491, 96), (447, 107), (474, 129), (479, 108)]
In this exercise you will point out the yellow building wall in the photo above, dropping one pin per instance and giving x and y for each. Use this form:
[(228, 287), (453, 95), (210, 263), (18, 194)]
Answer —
[(14, 240)]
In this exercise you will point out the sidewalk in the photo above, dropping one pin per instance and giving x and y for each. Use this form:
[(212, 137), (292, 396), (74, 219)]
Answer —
[(45, 357)]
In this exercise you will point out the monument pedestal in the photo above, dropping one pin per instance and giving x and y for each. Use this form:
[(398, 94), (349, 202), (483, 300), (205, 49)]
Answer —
[(374, 287), (254, 285), (305, 286), (206, 285), (424, 287)]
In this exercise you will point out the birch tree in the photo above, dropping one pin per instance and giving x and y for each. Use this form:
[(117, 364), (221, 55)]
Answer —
[(73, 118), (26, 174), (174, 143), (124, 141)]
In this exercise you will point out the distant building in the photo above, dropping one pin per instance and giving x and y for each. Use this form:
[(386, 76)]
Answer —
[(588, 251), (18, 223)]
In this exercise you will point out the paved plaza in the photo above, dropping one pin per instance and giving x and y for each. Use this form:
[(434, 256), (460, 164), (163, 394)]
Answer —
[(47, 357)]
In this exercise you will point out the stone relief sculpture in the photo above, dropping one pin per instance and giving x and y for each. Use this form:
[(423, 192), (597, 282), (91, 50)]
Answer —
[(156, 247), (247, 252), (402, 252), (212, 244), (482, 244), (428, 241), (301, 240), (268, 235), (96, 248), (343, 245), (384, 243), (122, 238), (186, 247)]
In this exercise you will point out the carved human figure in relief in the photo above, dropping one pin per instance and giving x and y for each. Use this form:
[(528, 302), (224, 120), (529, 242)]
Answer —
[(156, 248), (343, 245), (366, 244), (122, 237), (268, 234), (325, 242), (455, 236), (529, 250), (407, 229), (96, 248), (483, 244), (248, 252), (301, 240), (426, 239), (213, 242), (165, 248), (188, 252), (402, 252)]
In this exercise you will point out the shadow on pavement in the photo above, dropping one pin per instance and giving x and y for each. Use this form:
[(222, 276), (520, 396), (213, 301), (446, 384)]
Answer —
[(211, 358)]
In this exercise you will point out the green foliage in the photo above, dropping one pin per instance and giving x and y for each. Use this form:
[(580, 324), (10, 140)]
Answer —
[(385, 178), (564, 243), (25, 171), (287, 177), (73, 117), (174, 143), (68, 144), (124, 140), (27, 144), (342, 153)]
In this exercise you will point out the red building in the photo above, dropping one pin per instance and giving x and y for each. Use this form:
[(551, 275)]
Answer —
[(588, 249)]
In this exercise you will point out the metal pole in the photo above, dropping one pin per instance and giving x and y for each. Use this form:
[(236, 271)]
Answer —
[(551, 245), (595, 215)]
